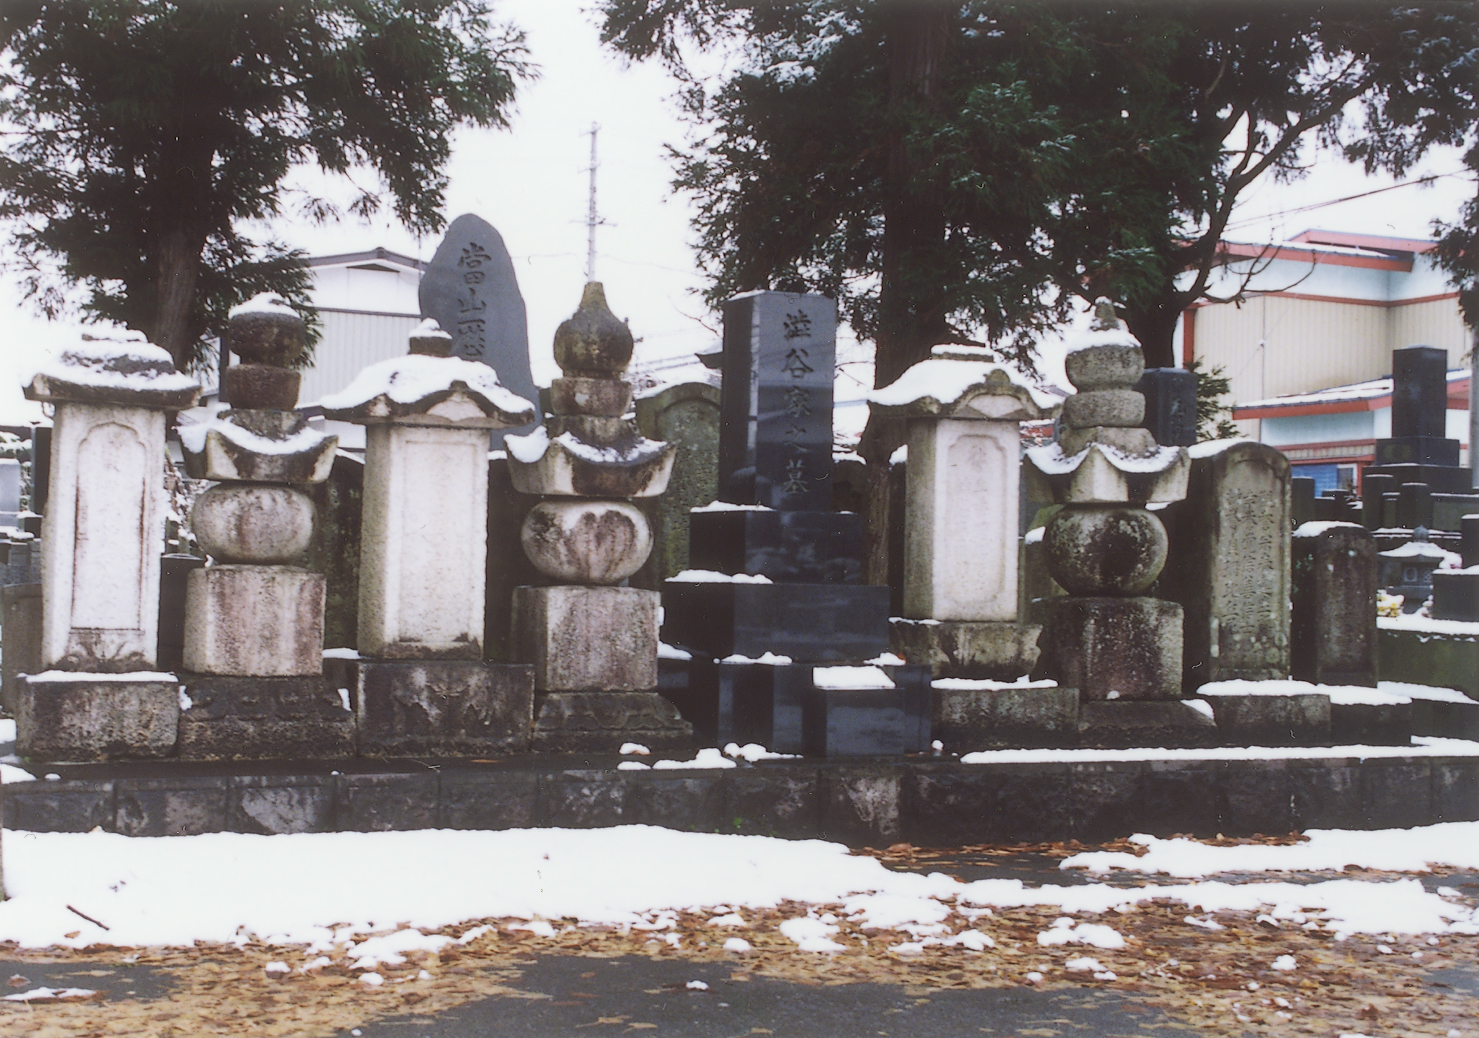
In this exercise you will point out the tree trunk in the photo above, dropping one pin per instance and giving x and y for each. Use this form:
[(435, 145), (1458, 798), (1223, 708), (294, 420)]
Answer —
[(911, 308), (1155, 327), (179, 267)]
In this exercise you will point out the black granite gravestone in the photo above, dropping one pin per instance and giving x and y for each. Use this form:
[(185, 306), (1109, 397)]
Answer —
[(1374, 487), (1170, 405), (1301, 500), (469, 287), (1418, 451), (775, 440)]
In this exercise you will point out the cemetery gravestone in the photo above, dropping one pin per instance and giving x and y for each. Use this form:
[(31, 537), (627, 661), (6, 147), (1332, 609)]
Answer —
[(471, 290), (1170, 405), (1228, 564), (1418, 451), (686, 416), (1333, 634)]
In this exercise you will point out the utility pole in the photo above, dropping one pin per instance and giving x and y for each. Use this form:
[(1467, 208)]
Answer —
[(591, 217)]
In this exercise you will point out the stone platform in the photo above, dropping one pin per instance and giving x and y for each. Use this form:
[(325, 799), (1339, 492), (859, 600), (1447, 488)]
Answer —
[(928, 801)]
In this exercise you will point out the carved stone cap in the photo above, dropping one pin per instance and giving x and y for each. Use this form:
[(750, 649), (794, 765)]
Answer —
[(424, 390), (266, 330), (125, 369), (946, 387), (593, 342)]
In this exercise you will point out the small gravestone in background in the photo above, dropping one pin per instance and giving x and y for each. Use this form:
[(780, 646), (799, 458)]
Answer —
[(470, 289), (1332, 631), (1170, 405), (1374, 488), (10, 492), (1418, 450), (687, 416), (1228, 563)]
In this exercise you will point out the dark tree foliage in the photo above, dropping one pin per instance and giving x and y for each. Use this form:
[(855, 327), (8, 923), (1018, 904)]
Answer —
[(954, 168), (143, 137)]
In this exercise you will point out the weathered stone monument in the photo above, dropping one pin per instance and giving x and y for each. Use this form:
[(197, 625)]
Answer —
[(253, 648), (775, 594), (99, 696), (469, 288), (593, 643), (422, 687), (1170, 405), (1332, 632), (1228, 564), (960, 518), (1119, 647)]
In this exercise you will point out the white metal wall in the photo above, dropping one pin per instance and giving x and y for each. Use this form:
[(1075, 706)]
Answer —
[(351, 342)]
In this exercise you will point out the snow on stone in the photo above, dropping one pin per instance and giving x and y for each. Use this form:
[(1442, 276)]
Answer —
[(709, 757), (94, 361), (417, 376), (341, 654), (1212, 448), (1422, 746), (709, 576), (726, 506), (52, 995), (1427, 625), (1050, 459), (1455, 844), (430, 329), (987, 685), (887, 659), (1419, 550), (7, 729), (305, 439), (850, 678), (1201, 706), (1341, 695), (1401, 688), (753, 751), (671, 652), (633, 747), (1088, 339), (946, 380), (88, 676), (1314, 529), (264, 303), (768, 659), (529, 448)]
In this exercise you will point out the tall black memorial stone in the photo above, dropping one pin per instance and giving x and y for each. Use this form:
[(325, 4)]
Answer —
[(1418, 451), (775, 570), (469, 287)]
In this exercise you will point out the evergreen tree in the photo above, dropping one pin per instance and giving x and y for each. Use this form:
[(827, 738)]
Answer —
[(145, 134)]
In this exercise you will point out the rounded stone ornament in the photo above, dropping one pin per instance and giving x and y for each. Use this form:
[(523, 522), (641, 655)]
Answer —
[(255, 523), (579, 541), (1087, 409), (266, 330), (1105, 551), (1109, 366), (593, 342)]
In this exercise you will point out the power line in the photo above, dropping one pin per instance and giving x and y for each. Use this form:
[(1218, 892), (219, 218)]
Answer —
[(1337, 201)]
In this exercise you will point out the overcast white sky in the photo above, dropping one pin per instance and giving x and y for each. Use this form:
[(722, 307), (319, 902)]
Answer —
[(531, 183)]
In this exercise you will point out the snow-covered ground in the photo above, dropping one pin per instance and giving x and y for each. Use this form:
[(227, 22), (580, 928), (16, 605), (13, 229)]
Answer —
[(328, 891)]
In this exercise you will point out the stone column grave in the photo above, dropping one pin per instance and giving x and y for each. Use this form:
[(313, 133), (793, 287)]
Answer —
[(253, 651), (592, 642), (98, 695), (422, 687), (1120, 647)]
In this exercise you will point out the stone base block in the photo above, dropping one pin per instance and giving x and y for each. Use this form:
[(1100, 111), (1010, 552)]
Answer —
[(263, 718), (89, 717), (264, 621), (1128, 646), (1296, 720), (811, 623), (443, 708), (1449, 720), (582, 638), (1371, 724), (967, 719), (1425, 657), (599, 722), (1456, 595), (745, 703), (1120, 725), (997, 651), (787, 547), (866, 722)]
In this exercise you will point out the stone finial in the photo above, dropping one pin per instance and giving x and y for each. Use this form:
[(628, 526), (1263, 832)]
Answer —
[(266, 330), (594, 342), (1105, 319), (428, 339)]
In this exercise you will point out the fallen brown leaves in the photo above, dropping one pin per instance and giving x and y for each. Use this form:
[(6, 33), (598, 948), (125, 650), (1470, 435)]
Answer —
[(1221, 981)]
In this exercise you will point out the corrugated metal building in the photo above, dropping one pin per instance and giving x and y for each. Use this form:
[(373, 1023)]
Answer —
[(1324, 310)]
